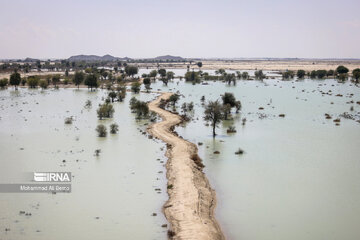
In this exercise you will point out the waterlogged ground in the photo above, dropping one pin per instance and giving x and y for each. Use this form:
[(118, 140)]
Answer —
[(299, 176), (113, 196)]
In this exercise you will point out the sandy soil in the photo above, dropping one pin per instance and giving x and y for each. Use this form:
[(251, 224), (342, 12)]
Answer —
[(190, 208)]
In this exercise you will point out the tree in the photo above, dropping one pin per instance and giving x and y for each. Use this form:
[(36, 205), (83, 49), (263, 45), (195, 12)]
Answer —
[(112, 95), (147, 83), (192, 76), (135, 87), (174, 98), (321, 73), (3, 82), (199, 64), (313, 74), (91, 81), (341, 69), (114, 128), (43, 84), (153, 74), (101, 130), (300, 73), (170, 75), (330, 73), (78, 78), (131, 70), (139, 107), (230, 78), (162, 72), (15, 79), (259, 75), (33, 81), (356, 74), (214, 114), (229, 98), (105, 110), (245, 75), (55, 79)]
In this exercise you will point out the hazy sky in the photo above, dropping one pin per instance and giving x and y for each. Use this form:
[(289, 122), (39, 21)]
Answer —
[(194, 28)]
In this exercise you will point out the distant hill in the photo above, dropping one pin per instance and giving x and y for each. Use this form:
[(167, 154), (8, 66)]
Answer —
[(95, 58), (31, 60), (169, 57)]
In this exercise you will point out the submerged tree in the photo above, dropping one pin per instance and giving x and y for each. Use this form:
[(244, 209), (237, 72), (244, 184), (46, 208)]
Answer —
[(300, 73), (33, 81), (135, 87), (78, 78), (147, 83), (356, 74), (114, 128), (131, 70), (15, 79), (3, 82), (92, 81), (214, 114), (105, 110), (259, 75), (55, 79), (101, 130), (139, 107)]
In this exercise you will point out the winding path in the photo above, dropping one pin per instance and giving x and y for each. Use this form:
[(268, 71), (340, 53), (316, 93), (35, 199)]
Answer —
[(190, 208)]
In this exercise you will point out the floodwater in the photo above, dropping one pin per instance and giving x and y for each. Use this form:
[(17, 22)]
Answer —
[(113, 195), (299, 177)]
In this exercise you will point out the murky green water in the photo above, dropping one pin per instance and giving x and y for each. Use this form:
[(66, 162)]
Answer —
[(113, 196), (300, 175)]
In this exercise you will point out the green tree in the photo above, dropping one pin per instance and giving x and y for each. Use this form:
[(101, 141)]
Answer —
[(55, 79), (3, 82), (199, 64), (33, 81), (135, 87), (114, 128), (112, 95), (259, 75), (153, 74), (321, 73), (147, 83), (162, 72), (131, 70), (214, 114), (170, 75), (300, 73), (341, 69), (15, 79), (192, 77), (174, 98), (78, 78), (356, 74), (43, 84), (91, 81), (101, 130), (105, 110)]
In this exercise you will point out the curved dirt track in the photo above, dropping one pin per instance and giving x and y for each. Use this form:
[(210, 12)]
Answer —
[(190, 208)]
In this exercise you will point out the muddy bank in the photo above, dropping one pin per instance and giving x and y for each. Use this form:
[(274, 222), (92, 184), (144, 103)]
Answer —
[(190, 208)]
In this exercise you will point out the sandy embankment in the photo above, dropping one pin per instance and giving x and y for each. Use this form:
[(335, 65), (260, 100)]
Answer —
[(190, 208)]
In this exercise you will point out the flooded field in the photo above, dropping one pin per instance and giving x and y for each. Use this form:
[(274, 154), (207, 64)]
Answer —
[(299, 175), (113, 195), (297, 179)]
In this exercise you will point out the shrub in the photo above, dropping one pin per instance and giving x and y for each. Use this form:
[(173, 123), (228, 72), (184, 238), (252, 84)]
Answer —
[(68, 120), (239, 151), (135, 87), (105, 110), (88, 104), (33, 81), (174, 98), (3, 82), (101, 130), (231, 129), (114, 128), (43, 84), (195, 157)]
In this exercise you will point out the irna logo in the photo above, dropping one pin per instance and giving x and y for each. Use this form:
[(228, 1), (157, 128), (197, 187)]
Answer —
[(52, 176)]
